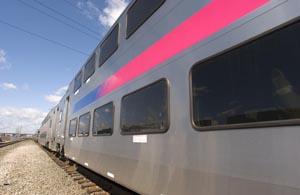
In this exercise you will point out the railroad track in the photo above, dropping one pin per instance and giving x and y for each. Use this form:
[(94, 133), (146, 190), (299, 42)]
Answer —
[(3, 144), (93, 183), (72, 170)]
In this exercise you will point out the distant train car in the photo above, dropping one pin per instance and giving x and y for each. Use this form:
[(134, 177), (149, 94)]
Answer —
[(189, 97), (47, 131)]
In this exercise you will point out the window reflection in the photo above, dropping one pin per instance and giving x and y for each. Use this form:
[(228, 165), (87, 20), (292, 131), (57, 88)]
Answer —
[(109, 45), (84, 124), (139, 12), (103, 120), (77, 81), (73, 128), (146, 110), (254, 83), (89, 68)]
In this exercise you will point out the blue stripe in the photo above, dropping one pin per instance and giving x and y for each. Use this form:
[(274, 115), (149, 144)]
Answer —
[(88, 99)]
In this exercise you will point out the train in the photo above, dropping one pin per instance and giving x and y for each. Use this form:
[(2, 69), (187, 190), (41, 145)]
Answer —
[(189, 97)]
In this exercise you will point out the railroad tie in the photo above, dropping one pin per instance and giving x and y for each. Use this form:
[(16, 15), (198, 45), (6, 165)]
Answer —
[(100, 193), (77, 178), (93, 189), (72, 174), (72, 168), (82, 181), (65, 167), (86, 185), (61, 164), (76, 175)]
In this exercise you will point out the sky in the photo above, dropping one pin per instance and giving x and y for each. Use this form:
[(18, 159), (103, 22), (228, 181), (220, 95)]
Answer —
[(43, 44)]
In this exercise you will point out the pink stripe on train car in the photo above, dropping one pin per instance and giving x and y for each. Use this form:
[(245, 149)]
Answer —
[(210, 19)]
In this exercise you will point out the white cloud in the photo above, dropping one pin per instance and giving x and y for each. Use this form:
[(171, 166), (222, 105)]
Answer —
[(4, 64), (8, 86), (108, 15), (27, 120), (54, 99), (89, 9), (2, 56), (112, 11), (61, 91), (57, 95)]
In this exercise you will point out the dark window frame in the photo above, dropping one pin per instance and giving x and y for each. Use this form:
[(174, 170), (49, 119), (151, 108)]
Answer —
[(75, 132), (128, 35), (78, 87), (92, 58), (117, 25), (113, 120), (240, 126), (168, 109), (89, 125)]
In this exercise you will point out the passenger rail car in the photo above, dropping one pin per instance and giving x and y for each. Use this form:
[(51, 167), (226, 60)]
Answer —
[(190, 97)]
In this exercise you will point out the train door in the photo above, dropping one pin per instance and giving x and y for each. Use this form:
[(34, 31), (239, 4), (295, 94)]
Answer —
[(65, 120)]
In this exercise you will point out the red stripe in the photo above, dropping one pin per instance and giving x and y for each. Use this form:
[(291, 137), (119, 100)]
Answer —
[(208, 20)]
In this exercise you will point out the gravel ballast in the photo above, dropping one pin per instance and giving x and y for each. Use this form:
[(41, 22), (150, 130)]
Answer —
[(26, 169)]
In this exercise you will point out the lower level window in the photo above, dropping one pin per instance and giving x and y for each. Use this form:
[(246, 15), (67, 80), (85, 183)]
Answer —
[(255, 83), (146, 110), (84, 124), (73, 128), (103, 120)]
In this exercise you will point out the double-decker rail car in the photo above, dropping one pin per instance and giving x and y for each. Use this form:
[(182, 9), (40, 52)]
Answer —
[(192, 97), (52, 131), (45, 135)]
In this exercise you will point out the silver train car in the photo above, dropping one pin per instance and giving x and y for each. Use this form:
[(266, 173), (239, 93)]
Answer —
[(189, 97)]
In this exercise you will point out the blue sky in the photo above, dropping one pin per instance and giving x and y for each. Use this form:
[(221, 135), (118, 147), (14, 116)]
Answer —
[(34, 72)]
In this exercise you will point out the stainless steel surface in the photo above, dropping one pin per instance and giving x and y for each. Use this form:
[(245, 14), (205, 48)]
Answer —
[(185, 161)]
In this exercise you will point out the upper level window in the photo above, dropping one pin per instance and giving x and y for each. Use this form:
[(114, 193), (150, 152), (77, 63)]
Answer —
[(77, 81), (89, 68), (104, 120), (84, 124), (109, 45), (146, 110), (73, 127), (255, 84), (139, 12)]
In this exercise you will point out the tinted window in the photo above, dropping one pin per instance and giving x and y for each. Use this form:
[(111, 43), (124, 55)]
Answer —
[(77, 81), (89, 68), (109, 45), (103, 120), (84, 124), (139, 12), (146, 110), (257, 82), (73, 128)]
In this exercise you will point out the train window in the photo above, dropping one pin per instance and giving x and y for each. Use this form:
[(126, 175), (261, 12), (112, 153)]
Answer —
[(89, 68), (60, 116), (109, 45), (146, 110), (73, 127), (139, 12), (254, 85), (77, 82), (84, 124), (103, 120)]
